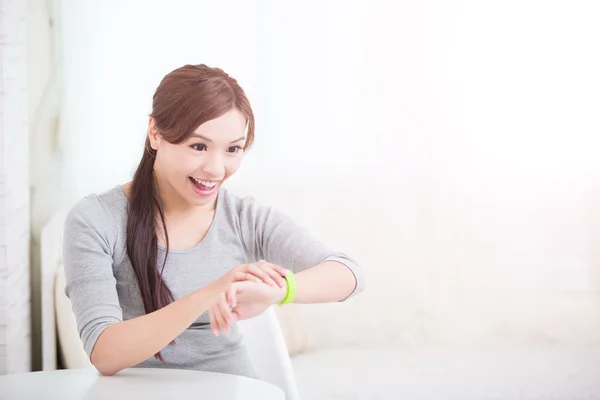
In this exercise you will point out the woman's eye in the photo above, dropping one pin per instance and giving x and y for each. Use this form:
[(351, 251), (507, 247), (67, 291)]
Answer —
[(198, 147), (234, 149)]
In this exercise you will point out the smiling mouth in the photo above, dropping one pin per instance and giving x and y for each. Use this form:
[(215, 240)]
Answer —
[(202, 185)]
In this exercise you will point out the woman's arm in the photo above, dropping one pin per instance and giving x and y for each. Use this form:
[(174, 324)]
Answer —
[(326, 282), (125, 344), (322, 274)]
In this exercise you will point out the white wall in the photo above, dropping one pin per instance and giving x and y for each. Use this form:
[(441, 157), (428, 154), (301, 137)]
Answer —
[(476, 122), (15, 321)]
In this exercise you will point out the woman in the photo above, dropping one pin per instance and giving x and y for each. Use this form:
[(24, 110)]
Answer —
[(159, 269)]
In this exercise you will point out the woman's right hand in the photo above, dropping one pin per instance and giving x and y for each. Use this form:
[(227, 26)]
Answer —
[(267, 273)]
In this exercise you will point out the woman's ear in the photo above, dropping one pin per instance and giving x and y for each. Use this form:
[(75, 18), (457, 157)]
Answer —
[(153, 134)]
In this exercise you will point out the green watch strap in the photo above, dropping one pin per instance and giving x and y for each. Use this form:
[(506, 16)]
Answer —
[(290, 283)]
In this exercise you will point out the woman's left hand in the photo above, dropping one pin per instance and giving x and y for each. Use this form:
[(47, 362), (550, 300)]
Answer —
[(243, 300)]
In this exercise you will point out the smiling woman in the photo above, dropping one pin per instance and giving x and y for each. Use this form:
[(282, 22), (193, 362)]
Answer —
[(157, 268)]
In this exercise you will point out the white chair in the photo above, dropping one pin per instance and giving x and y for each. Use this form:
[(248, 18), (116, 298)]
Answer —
[(263, 336), (267, 349)]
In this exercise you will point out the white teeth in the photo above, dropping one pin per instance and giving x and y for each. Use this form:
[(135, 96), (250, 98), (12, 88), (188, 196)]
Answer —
[(205, 183)]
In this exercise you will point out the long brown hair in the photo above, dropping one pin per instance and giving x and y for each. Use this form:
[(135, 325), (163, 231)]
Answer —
[(186, 98)]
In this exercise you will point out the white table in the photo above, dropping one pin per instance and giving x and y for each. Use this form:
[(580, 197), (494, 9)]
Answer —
[(134, 383)]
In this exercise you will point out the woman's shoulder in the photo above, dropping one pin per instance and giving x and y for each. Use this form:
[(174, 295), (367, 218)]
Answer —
[(250, 211), (240, 204), (99, 211)]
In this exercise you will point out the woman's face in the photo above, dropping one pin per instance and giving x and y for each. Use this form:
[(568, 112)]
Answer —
[(196, 168)]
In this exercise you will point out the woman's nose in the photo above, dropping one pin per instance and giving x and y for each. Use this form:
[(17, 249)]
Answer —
[(214, 166)]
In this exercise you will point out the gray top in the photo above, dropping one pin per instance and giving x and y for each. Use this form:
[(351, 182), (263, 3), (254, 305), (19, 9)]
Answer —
[(102, 287)]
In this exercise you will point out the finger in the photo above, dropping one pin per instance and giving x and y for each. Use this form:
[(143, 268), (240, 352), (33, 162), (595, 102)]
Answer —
[(231, 296), (225, 312), (251, 272), (243, 276), (261, 274), (213, 322), (219, 320), (221, 312), (274, 272), (216, 319), (282, 271)]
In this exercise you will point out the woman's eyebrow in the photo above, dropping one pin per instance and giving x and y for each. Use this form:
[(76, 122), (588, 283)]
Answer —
[(210, 140)]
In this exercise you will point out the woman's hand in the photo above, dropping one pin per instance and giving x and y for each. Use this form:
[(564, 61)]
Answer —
[(270, 274), (246, 299)]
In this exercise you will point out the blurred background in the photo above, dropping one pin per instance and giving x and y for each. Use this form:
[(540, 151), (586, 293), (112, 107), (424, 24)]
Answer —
[(451, 147)]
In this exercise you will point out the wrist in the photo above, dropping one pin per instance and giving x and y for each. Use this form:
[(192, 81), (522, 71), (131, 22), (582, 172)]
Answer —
[(281, 294), (208, 294)]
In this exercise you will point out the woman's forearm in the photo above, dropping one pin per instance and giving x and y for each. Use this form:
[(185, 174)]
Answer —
[(130, 342), (327, 282)]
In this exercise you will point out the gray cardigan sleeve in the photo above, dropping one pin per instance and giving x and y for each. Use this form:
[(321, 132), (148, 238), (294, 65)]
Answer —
[(89, 237), (275, 237)]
